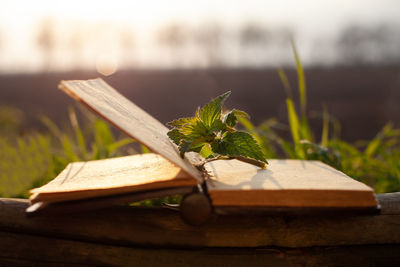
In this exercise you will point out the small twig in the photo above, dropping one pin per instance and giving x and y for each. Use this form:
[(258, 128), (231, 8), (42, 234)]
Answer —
[(214, 159), (255, 162)]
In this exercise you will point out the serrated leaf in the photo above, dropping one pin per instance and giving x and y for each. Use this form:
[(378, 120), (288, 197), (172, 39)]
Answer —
[(238, 144), (217, 126), (182, 121), (175, 136), (212, 111), (183, 147), (206, 151), (197, 146), (231, 118), (190, 145), (193, 130), (213, 136), (241, 113)]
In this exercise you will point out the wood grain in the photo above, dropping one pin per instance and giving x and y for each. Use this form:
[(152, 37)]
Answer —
[(128, 117), (389, 203), (135, 226), (32, 250)]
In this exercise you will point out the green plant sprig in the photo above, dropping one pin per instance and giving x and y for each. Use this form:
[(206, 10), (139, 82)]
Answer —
[(212, 134)]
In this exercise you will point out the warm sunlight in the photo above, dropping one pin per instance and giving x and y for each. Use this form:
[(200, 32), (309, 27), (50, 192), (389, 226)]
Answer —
[(119, 145), (106, 64), (64, 35)]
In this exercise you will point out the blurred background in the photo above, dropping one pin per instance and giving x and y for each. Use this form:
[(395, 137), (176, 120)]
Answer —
[(170, 56), (163, 52)]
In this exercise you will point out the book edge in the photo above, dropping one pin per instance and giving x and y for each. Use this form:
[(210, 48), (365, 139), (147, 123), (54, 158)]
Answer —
[(294, 198), (59, 196)]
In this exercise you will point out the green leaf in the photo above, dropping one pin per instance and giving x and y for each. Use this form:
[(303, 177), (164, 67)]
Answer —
[(217, 126), (112, 148), (305, 129), (206, 151), (231, 118), (302, 81), (238, 144), (182, 121), (194, 131), (293, 121), (214, 137), (78, 132), (190, 145), (212, 111), (285, 82), (184, 147), (175, 136), (373, 147), (103, 134), (145, 149), (190, 136), (325, 127), (197, 146)]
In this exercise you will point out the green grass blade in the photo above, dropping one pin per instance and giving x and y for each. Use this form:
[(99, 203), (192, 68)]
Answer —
[(301, 80), (145, 149), (285, 82), (247, 124), (293, 121), (103, 134), (54, 130), (78, 133), (68, 149), (325, 127), (112, 148), (372, 147), (305, 131), (287, 148)]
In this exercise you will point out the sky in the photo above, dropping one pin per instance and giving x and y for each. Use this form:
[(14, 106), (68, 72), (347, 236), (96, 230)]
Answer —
[(311, 19)]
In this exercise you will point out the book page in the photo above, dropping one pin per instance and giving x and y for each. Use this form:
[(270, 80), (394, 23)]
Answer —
[(285, 183), (113, 176), (129, 118)]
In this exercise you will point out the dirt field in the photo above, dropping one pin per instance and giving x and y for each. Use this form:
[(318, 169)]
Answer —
[(363, 99)]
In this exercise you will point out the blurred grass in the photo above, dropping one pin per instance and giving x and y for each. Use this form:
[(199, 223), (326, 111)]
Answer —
[(30, 159), (375, 162)]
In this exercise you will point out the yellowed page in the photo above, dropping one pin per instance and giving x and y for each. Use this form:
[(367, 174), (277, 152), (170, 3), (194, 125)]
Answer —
[(112, 176), (129, 118), (285, 183)]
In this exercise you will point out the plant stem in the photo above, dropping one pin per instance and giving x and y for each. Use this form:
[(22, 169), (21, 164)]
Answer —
[(257, 163)]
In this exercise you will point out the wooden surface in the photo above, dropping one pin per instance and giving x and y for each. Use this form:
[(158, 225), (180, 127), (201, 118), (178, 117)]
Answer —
[(32, 250), (285, 183), (163, 227), (106, 177), (129, 118), (125, 235)]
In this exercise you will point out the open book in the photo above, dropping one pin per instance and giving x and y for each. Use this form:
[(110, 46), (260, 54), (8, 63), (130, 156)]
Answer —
[(290, 184)]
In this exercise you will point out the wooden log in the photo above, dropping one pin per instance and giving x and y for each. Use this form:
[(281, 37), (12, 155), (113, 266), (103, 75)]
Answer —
[(390, 203), (147, 227), (29, 250)]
